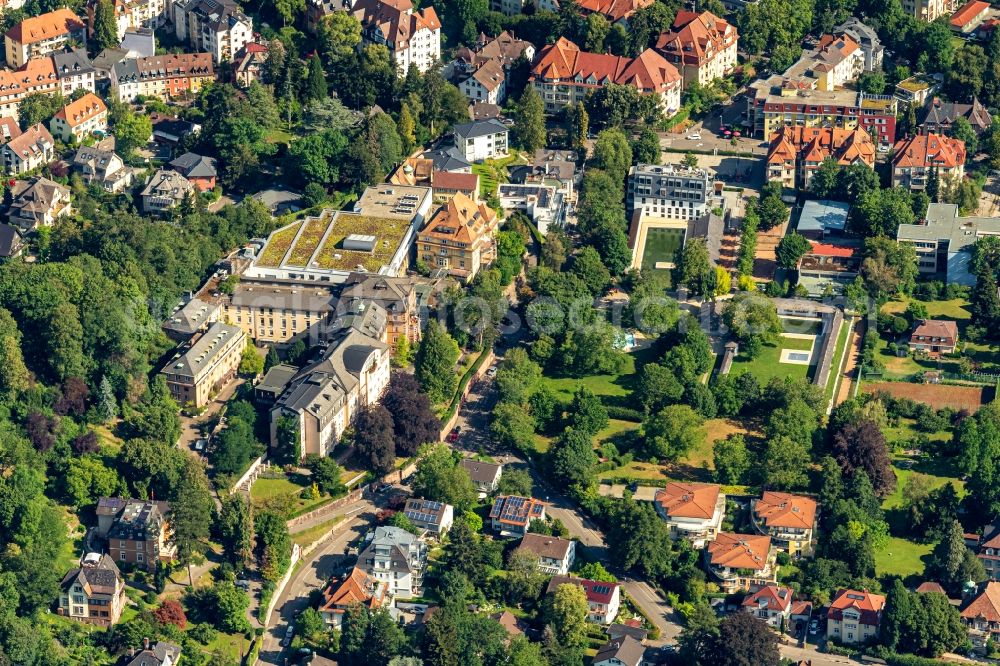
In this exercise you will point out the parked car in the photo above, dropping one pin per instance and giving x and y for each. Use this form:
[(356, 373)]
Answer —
[(289, 632), (453, 435), (243, 584), (492, 372), (200, 445), (694, 136)]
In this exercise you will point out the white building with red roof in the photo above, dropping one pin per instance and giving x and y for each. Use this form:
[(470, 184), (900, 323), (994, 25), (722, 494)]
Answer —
[(357, 587), (511, 515), (41, 35), (935, 336), (563, 75), (853, 616), (79, 119), (771, 604), (701, 46), (796, 152), (412, 37), (981, 615), (693, 511), (970, 16), (789, 520), (741, 561), (603, 599), (914, 158)]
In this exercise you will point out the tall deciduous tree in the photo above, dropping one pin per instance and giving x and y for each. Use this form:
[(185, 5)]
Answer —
[(274, 546), (373, 435), (862, 446), (435, 363), (413, 419), (236, 529), (440, 478)]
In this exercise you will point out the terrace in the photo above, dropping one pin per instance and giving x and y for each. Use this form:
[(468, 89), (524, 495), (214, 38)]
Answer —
[(388, 231)]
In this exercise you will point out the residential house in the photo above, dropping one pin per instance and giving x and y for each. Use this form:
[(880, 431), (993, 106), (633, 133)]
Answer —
[(603, 599), (400, 297), (934, 337), (615, 11), (435, 517), (829, 266), (358, 588), (836, 61), (32, 149), (137, 531), (741, 561), (625, 651), (801, 615), (160, 654), (165, 77), (917, 89), (969, 17), (633, 629), (771, 604), (9, 129), (131, 14), (60, 73), (270, 387), (485, 475), (981, 615), (166, 190), (79, 119), (939, 116), (693, 511), (929, 586), (796, 152), (511, 515), (39, 36), (203, 367), (555, 555), (94, 592), (412, 37), (790, 520), (915, 157), (171, 130), (944, 242), (481, 140), (510, 622), (701, 46), (249, 62), (484, 68), (447, 158), (11, 243), (218, 27), (200, 171), (541, 203), (854, 617), (73, 70), (38, 202), (459, 237), (988, 551), (564, 75), (104, 167), (397, 558), (867, 37), (488, 83), (420, 171), (138, 43), (326, 395), (928, 11)]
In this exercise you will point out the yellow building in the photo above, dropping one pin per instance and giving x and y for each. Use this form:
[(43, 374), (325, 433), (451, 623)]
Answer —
[(277, 313), (201, 368), (459, 237)]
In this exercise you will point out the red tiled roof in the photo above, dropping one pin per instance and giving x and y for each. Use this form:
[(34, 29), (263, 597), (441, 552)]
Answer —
[(815, 144), (688, 500), (930, 586), (869, 605), (82, 110), (967, 12), (696, 37), (565, 61), (929, 150), (831, 250), (772, 597), (455, 180), (985, 605), (614, 10), (46, 26), (356, 588), (739, 551), (936, 328)]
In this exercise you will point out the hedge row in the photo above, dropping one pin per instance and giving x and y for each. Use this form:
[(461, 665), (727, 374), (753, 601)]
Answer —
[(624, 413)]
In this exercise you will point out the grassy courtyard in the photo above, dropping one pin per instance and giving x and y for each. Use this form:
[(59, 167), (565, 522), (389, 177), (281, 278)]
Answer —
[(768, 363), (283, 495), (661, 246), (900, 557)]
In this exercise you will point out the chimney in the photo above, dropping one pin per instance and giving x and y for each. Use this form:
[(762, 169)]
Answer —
[(145, 643)]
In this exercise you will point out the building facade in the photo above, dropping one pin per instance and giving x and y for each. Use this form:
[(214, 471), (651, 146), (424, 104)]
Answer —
[(670, 191), (38, 202), (164, 77), (165, 190), (693, 511), (32, 149), (795, 153), (790, 520), (277, 313), (771, 604), (413, 37), (203, 367), (854, 617), (915, 158), (79, 119), (701, 46), (93, 593), (459, 237), (41, 35), (563, 75), (396, 558), (137, 531), (131, 15), (741, 561), (358, 588), (218, 27), (774, 105), (603, 599), (481, 140), (555, 555)]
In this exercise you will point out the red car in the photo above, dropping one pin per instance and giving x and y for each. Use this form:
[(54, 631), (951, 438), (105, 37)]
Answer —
[(453, 435)]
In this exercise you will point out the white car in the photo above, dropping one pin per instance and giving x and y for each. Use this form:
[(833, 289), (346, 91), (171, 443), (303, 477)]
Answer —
[(695, 136), (492, 372)]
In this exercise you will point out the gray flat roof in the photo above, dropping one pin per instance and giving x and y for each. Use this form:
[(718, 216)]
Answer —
[(944, 224), (821, 215)]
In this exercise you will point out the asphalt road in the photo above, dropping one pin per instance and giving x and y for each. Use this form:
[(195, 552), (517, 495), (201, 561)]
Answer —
[(313, 573)]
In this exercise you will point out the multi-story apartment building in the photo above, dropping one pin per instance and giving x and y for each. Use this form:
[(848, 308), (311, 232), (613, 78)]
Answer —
[(944, 242), (397, 558), (412, 37), (511, 515), (398, 296), (218, 27), (205, 365), (693, 511), (486, 65), (279, 313), (603, 599), (670, 191), (324, 397), (981, 615), (741, 561), (79, 119), (867, 37), (137, 531), (555, 555), (41, 35), (790, 520), (563, 75), (38, 202), (165, 190), (73, 70), (163, 76), (459, 237), (132, 14), (94, 592), (854, 617), (481, 139), (939, 116), (916, 157), (775, 104), (796, 152), (928, 10), (33, 149), (701, 46)]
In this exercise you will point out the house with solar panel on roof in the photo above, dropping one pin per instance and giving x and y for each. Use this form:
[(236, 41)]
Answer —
[(603, 599), (511, 515), (435, 517)]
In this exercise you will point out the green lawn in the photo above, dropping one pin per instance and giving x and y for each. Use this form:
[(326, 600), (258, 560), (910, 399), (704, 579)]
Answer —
[(493, 172), (661, 245), (956, 308), (267, 488), (283, 496), (306, 537), (900, 557), (768, 364), (843, 340), (607, 385)]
